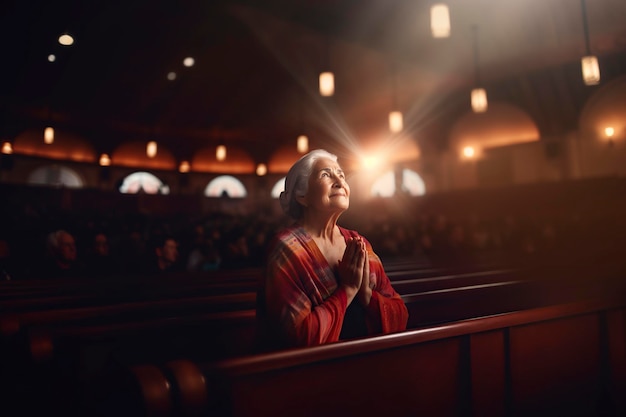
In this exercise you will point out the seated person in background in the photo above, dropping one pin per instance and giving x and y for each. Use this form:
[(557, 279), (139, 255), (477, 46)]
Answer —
[(61, 257), (99, 261), (324, 283), (164, 255)]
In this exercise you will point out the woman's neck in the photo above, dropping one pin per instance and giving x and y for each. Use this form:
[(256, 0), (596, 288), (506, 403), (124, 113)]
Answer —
[(321, 228)]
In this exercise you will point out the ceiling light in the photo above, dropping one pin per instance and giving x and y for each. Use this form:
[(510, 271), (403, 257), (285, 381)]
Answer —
[(7, 148), (105, 160), (66, 39), (52, 58), (48, 135), (469, 152), (220, 153), (589, 63), (395, 121), (479, 100), (261, 170), (479, 94), (327, 84), (189, 62), (184, 167), (171, 75), (302, 144), (440, 20), (151, 149)]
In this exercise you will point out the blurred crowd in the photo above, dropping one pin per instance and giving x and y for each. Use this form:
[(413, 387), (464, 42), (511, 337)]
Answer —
[(41, 243)]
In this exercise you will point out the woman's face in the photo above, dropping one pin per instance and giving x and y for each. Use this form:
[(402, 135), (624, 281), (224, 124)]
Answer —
[(328, 189)]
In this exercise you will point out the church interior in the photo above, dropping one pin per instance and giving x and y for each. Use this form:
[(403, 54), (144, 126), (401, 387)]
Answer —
[(485, 147)]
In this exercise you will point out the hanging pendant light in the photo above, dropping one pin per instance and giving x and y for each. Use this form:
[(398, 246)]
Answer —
[(395, 121), (151, 149), (395, 116), (479, 94), (479, 100), (327, 78), (261, 170), (327, 84), (184, 167), (302, 144), (220, 153), (66, 39), (440, 20), (589, 63), (105, 160), (48, 135), (7, 148)]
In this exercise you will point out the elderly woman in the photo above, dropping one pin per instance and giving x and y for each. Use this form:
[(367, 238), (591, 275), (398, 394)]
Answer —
[(324, 283)]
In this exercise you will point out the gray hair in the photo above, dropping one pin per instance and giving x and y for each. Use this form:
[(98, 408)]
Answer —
[(297, 182)]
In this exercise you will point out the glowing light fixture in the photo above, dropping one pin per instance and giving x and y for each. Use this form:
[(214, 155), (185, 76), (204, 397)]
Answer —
[(609, 132), (395, 116), (52, 58), (327, 84), (479, 100), (220, 153), (479, 94), (440, 20), (184, 167), (469, 152), (189, 62), (105, 160), (302, 144), (395, 121), (151, 149), (7, 148), (261, 170), (66, 39), (48, 135), (171, 75), (589, 63), (370, 162)]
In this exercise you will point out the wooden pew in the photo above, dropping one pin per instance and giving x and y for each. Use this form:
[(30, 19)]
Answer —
[(567, 359)]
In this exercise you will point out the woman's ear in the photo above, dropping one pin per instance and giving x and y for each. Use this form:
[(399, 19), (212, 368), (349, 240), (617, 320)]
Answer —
[(302, 200)]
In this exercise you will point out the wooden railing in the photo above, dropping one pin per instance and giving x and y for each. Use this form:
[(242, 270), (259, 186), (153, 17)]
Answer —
[(565, 360)]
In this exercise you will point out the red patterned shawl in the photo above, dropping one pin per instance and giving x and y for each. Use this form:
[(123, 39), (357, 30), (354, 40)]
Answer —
[(302, 294)]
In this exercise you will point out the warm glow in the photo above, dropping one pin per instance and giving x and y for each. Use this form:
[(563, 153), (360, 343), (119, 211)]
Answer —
[(327, 84), (395, 121), (609, 132), (52, 58), (591, 70), (184, 167), (469, 152), (171, 76), (370, 162), (261, 170), (48, 136), (7, 148), (189, 62), (151, 149), (220, 153), (440, 21), (303, 144), (479, 100), (105, 160), (66, 39)]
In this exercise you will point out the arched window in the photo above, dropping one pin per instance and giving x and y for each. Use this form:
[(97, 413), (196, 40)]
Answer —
[(56, 175), (385, 185), (225, 185), (278, 188), (143, 182)]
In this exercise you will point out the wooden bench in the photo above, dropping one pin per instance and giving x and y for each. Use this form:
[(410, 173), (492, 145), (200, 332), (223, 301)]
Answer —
[(560, 360)]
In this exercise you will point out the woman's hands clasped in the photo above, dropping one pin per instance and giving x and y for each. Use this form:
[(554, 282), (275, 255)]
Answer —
[(354, 271)]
